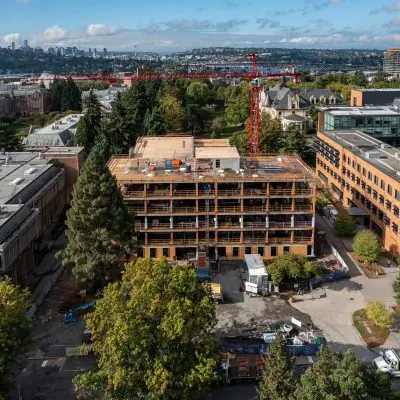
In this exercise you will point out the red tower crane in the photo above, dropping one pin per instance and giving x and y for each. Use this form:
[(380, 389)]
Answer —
[(254, 77)]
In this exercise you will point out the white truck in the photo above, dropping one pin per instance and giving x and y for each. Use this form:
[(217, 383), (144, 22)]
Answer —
[(388, 362)]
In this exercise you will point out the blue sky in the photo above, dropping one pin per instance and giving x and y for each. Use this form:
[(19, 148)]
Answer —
[(175, 25)]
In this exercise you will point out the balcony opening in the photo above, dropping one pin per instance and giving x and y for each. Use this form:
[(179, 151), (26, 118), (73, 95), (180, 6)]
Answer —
[(229, 221), (158, 190), (158, 207), (254, 188), (228, 189), (228, 237), (184, 189), (184, 206), (185, 253)]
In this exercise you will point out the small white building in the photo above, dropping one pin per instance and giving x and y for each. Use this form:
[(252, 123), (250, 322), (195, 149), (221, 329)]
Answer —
[(257, 275)]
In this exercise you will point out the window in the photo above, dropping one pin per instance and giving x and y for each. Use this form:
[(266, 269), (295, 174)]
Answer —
[(364, 171), (247, 250), (397, 194), (396, 211), (375, 194), (235, 252), (374, 210), (274, 251), (358, 168), (381, 199), (309, 250), (353, 177), (369, 175), (390, 189), (354, 164), (368, 204), (165, 252), (376, 180), (380, 215), (260, 251), (349, 161), (395, 228), (286, 249), (153, 252), (382, 184), (217, 163), (363, 184), (388, 205), (347, 186), (387, 220), (344, 157), (357, 195), (369, 189), (358, 181)]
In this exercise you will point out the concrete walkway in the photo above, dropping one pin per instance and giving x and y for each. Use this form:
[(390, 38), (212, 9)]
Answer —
[(331, 307)]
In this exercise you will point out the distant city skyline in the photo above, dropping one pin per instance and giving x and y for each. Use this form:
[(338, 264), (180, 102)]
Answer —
[(157, 26)]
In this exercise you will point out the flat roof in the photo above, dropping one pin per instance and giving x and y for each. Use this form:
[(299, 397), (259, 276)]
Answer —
[(164, 147), (216, 152), (68, 122), (381, 155), (288, 168), (363, 111), (21, 175)]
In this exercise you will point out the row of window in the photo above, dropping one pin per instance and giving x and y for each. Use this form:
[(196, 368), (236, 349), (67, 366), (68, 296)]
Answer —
[(235, 251), (371, 177)]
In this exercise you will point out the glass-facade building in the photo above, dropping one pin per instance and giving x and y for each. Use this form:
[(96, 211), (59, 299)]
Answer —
[(381, 123)]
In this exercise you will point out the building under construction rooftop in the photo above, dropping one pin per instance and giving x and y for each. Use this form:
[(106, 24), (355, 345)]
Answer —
[(191, 193)]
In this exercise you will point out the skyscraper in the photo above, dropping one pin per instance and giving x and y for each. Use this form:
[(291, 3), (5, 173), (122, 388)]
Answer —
[(90, 54), (12, 46), (95, 53), (25, 46), (391, 62), (105, 52)]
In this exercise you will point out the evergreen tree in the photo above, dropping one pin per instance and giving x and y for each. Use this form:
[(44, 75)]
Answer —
[(8, 141), (277, 381), (344, 224), (396, 289), (65, 95), (294, 141), (72, 98), (99, 227), (89, 125)]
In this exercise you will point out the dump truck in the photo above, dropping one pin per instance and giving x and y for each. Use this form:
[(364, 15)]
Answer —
[(388, 362)]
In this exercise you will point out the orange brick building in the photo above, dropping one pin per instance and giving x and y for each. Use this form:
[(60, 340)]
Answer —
[(363, 172)]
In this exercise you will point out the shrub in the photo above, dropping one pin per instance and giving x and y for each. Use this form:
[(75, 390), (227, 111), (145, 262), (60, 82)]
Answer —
[(379, 314), (366, 245)]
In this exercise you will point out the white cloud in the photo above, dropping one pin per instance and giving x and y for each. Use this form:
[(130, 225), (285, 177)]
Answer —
[(11, 37), (54, 33), (101, 30)]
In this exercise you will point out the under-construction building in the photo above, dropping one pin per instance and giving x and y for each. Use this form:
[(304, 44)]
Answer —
[(188, 193)]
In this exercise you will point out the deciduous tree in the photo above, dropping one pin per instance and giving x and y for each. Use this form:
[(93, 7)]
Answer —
[(277, 381), (292, 266), (367, 246), (379, 314), (153, 334), (172, 111), (99, 227), (14, 326)]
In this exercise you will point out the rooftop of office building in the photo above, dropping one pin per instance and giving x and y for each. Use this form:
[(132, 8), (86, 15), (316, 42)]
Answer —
[(22, 174), (381, 155), (362, 111), (185, 159), (59, 133)]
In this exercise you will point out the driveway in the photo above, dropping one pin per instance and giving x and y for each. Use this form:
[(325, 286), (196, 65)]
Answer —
[(331, 307)]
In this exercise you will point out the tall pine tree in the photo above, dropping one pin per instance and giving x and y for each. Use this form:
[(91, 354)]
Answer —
[(277, 381), (99, 227), (89, 125)]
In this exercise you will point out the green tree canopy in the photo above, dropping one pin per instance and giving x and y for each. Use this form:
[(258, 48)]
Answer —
[(8, 142), (277, 381), (238, 103), (344, 223), (198, 92), (99, 227), (153, 334), (65, 95), (379, 314), (292, 266), (366, 245), (172, 112), (294, 141), (88, 128), (14, 326), (342, 377)]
